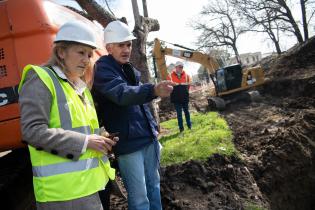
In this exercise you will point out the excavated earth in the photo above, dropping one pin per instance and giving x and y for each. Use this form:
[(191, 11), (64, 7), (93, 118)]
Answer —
[(275, 138)]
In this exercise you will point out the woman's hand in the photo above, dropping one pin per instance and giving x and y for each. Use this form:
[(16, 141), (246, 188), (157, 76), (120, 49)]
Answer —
[(101, 143)]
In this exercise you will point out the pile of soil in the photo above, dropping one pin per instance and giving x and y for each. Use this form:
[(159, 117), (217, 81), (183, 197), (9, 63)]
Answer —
[(276, 141), (219, 183)]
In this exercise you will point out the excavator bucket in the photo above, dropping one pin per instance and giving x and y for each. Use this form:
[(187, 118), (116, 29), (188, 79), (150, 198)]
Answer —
[(216, 103)]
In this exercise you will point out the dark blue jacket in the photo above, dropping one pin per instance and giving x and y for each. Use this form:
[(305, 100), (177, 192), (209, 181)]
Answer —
[(122, 104)]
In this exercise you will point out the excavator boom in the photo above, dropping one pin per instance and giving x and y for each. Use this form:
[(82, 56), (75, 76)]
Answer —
[(194, 56)]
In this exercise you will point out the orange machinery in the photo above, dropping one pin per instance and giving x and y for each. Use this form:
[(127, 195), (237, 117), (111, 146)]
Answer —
[(27, 30)]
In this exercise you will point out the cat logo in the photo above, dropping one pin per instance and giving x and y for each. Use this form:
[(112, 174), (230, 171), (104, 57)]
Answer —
[(3, 99)]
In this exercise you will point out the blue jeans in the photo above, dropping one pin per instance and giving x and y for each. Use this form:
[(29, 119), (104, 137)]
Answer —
[(179, 107), (139, 171)]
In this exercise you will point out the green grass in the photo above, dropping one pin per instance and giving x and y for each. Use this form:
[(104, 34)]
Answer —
[(252, 206), (209, 134)]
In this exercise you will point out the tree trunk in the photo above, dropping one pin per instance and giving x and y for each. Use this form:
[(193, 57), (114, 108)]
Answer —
[(289, 15), (96, 11), (275, 42), (305, 25), (138, 56), (145, 8), (277, 45), (237, 55), (274, 39), (143, 25)]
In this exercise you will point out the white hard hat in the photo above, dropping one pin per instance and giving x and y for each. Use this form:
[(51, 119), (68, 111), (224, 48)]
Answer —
[(116, 32), (76, 31), (179, 63)]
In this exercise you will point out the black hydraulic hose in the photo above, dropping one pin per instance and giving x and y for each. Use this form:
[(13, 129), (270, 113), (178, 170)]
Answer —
[(154, 68)]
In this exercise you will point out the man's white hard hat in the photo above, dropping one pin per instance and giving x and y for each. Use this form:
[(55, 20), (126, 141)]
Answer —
[(117, 32), (179, 63), (76, 31)]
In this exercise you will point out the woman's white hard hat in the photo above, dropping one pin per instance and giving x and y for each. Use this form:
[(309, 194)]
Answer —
[(76, 31)]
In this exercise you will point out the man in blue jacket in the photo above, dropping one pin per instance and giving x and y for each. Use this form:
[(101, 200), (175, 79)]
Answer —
[(123, 107)]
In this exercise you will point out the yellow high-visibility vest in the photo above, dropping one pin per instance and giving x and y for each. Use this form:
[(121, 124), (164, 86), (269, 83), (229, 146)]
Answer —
[(56, 178)]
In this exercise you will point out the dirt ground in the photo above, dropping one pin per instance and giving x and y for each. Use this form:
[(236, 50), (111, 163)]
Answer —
[(275, 139)]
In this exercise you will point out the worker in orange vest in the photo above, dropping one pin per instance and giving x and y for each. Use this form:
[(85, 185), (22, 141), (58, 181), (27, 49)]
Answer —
[(180, 94)]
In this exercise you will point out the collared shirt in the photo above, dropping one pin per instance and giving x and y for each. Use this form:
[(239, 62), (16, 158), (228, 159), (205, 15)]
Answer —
[(78, 85), (79, 88)]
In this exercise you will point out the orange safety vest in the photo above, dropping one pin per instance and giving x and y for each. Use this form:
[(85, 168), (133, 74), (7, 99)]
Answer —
[(184, 77), (180, 93)]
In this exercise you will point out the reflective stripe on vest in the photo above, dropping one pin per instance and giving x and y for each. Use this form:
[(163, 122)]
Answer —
[(65, 117), (67, 167)]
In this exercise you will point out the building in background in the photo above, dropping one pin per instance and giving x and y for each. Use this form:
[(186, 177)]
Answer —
[(222, 56), (247, 59)]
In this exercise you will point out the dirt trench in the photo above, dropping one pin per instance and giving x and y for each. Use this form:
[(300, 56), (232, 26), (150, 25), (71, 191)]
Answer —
[(277, 140)]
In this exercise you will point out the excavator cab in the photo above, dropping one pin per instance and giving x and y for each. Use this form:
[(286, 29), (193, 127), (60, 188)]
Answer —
[(229, 78)]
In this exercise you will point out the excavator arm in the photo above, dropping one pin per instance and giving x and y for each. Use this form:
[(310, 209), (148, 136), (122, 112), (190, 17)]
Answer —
[(159, 53)]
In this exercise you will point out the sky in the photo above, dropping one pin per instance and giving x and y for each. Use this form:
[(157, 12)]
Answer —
[(174, 16)]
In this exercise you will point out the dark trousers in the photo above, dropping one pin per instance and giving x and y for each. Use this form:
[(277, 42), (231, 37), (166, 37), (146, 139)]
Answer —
[(105, 196), (179, 108)]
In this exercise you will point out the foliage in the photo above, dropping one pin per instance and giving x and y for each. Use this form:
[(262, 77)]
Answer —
[(210, 134)]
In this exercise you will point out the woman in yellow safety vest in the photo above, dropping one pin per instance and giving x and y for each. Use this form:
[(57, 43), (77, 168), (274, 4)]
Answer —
[(59, 124)]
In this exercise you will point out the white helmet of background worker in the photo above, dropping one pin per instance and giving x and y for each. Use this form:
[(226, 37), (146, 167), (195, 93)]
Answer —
[(117, 32), (179, 63), (76, 31)]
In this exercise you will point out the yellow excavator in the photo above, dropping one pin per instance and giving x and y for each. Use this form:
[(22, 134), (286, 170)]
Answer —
[(230, 82)]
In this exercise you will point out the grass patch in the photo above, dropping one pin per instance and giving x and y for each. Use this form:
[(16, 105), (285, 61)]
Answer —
[(209, 134), (252, 206)]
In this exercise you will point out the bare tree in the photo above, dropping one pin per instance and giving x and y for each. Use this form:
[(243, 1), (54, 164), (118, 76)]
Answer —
[(260, 18), (222, 26), (305, 4), (287, 16), (274, 17)]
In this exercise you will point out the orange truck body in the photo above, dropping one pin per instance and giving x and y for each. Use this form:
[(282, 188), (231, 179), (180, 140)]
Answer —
[(27, 31)]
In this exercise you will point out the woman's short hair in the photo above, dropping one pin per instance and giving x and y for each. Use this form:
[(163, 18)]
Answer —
[(54, 59)]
